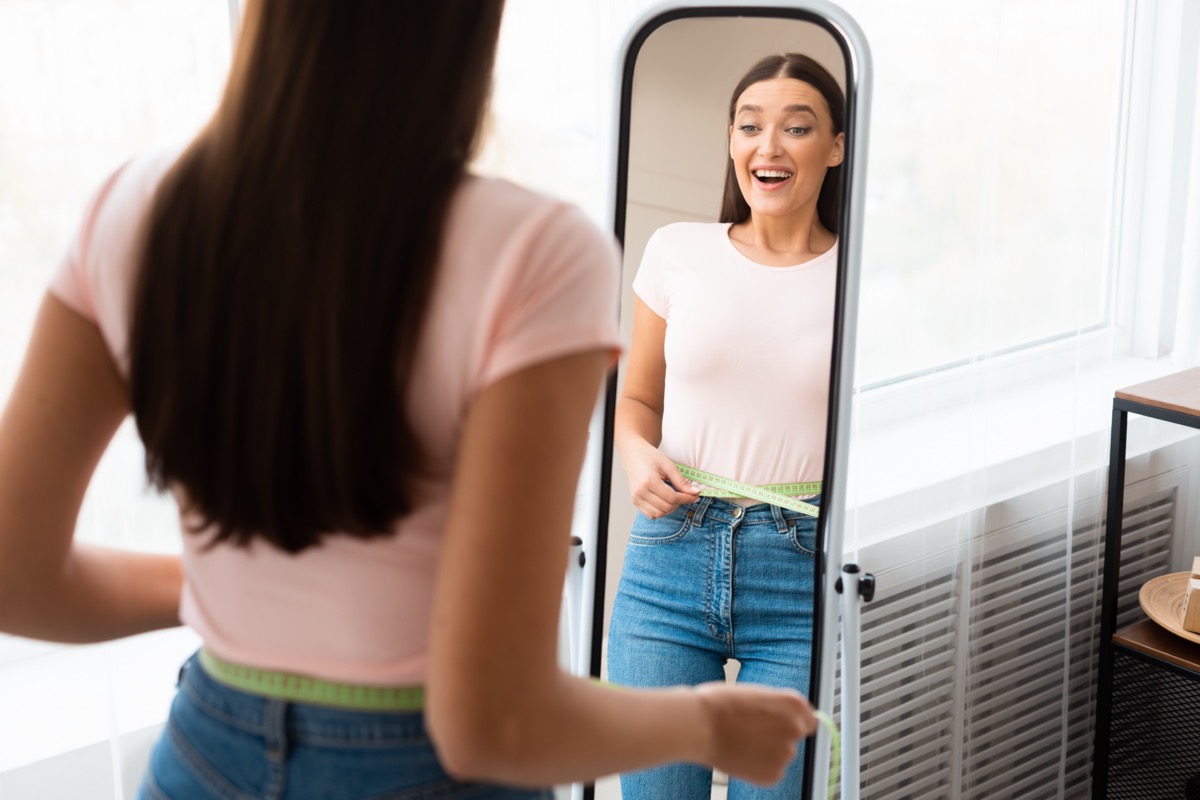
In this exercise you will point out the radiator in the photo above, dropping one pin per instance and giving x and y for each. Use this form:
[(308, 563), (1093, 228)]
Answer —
[(974, 685)]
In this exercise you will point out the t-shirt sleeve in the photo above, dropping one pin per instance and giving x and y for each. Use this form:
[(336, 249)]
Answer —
[(562, 299), (650, 283), (71, 283)]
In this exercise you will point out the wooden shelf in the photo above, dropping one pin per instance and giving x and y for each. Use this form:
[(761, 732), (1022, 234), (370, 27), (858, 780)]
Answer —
[(1154, 640), (1178, 392)]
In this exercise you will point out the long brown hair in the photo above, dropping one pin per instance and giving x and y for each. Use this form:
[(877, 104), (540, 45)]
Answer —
[(734, 207), (288, 258)]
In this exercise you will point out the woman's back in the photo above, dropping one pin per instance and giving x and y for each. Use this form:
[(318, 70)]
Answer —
[(521, 278)]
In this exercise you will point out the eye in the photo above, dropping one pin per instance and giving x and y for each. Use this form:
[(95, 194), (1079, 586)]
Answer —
[(748, 128), (797, 130)]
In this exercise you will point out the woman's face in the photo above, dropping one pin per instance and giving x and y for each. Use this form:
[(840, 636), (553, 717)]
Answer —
[(782, 142)]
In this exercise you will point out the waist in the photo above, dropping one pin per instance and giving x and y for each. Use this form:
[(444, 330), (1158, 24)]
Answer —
[(292, 687), (786, 495)]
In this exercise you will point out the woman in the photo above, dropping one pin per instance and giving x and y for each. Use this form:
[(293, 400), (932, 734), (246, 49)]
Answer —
[(710, 387), (357, 368)]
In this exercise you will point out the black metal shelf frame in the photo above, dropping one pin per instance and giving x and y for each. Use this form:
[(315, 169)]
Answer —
[(1112, 572)]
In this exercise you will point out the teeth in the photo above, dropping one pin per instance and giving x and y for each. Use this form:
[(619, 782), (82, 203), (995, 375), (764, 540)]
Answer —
[(772, 173)]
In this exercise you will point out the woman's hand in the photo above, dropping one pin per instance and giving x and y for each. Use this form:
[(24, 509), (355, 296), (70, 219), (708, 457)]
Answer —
[(755, 729), (649, 471)]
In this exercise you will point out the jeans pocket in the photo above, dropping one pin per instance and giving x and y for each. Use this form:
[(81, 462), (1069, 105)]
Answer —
[(803, 534), (666, 529)]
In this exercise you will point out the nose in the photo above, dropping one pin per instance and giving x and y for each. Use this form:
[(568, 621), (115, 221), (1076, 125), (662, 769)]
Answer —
[(768, 143)]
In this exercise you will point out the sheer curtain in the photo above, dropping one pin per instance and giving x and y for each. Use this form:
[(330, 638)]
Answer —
[(1029, 246), (87, 84)]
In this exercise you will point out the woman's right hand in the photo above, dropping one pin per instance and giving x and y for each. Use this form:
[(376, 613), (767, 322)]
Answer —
[(754, 729), (649, 471)]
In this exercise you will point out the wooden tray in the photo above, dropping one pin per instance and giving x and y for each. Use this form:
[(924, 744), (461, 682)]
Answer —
[(1162, 600)]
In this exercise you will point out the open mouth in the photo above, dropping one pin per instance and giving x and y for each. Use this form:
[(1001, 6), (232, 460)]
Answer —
[(772, 175)]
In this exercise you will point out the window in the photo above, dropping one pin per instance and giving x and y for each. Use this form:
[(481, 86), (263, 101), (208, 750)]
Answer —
[(993, 147)]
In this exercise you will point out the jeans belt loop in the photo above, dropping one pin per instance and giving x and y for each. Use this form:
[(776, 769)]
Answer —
[(781, 522), (700, 509)]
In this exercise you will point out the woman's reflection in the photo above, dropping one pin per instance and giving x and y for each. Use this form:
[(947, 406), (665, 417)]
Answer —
[(728, 372)]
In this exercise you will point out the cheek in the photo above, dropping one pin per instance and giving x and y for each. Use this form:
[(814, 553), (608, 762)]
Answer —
[(741, 159), (813, 158)]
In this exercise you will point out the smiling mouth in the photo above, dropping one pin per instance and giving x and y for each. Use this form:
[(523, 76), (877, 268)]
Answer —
[(772, 175)]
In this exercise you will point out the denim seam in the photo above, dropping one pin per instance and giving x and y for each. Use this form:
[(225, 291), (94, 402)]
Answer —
[(795, 536), (729, 647), (674, 537), (333, 741), (201, 770), (275, 737), (218, 713), (709, 619)]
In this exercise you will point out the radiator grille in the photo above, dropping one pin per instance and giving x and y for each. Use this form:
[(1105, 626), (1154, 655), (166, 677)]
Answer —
[(969, 671)]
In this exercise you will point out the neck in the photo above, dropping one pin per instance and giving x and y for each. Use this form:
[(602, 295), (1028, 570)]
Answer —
[(787, 240)]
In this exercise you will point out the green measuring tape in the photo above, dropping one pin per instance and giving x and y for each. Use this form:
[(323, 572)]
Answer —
[(303, 689), (835, 745), (777, 494)]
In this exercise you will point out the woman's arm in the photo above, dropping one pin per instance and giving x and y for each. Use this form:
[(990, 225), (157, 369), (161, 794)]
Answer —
[(498, 705), (64, 409), (637, 429)]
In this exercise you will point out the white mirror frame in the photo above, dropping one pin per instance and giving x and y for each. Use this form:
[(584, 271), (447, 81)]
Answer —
[(858, 93)]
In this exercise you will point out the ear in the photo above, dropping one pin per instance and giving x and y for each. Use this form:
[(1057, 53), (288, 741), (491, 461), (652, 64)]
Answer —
[(838, 153), (730, 140)]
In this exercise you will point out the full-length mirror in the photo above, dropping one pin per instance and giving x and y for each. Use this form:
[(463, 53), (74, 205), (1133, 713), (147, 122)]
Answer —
[(734, 199)]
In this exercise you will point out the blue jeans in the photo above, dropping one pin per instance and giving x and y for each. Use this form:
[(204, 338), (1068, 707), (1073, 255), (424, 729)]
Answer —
[(706, 583), (223, 743)]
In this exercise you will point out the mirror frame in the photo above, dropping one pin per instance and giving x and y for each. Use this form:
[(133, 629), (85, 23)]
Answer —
[(849, 37)]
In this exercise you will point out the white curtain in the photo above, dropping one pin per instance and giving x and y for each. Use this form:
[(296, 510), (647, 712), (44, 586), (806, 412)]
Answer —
[(87, 84), (1030, 246)]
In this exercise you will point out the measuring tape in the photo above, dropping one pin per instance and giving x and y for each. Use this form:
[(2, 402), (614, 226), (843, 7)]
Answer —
[(777, 494), (835, 742), (301, 688)]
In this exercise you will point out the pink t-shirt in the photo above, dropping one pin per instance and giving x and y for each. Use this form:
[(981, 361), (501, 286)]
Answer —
[(523, 278), (747, 350)]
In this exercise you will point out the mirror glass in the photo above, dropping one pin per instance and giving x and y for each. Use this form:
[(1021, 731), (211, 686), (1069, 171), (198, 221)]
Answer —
[(675, 142)]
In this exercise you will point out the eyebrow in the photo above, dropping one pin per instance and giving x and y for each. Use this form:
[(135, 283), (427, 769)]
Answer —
[(787, 109)]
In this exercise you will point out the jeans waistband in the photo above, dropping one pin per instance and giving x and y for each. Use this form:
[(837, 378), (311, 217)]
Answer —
[(728, 511)]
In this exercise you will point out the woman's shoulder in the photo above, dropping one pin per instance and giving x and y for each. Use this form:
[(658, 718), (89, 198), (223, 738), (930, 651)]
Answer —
[(108, 232), (118, 205), (498, 215), (500, 204), (685, 240), (689, 234)]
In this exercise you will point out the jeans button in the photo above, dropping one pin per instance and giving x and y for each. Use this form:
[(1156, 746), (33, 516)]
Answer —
[(737, 513)]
